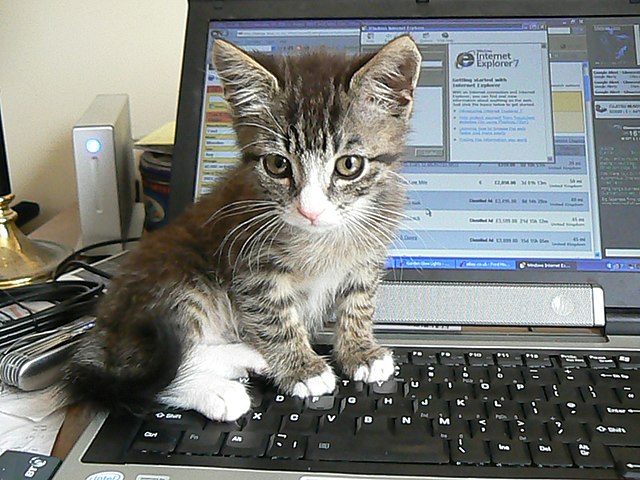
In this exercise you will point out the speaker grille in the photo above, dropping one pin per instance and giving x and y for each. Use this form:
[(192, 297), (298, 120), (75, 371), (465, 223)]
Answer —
[(524, 305)]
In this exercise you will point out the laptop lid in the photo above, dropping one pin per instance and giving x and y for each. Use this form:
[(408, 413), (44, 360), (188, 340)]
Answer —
[(522, 161)]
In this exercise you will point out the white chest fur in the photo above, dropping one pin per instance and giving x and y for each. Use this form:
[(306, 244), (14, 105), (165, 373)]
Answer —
[(317, 294)]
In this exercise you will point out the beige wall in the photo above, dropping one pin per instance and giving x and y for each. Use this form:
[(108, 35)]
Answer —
[(56, 56)]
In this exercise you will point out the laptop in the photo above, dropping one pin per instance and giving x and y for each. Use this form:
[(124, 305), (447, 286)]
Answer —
[(512, 300)]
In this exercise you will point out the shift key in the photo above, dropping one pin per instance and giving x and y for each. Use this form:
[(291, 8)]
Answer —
[(376, 448)]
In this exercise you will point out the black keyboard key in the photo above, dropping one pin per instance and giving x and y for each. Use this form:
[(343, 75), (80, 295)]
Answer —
[(567, 431), (199, 442), (616, 434), (590, 455), (285, 404), (438, 373), (411, 426), (420, 389), (222, 427), (377, 448), (508, 359), (535, 359), (628, 361), (577, 377), (504, 410), (599, 394), (528, 430), (510, 453), (421, 358), (571, 360), (450, 390), (406, 372), (176, 418), (259, 421), (347, 388), (450, 428), (627, 462), (467, 409), (370, 424), (394, 406), (479, 359), (356, 406), (542, 411), (490, 391), (321, 404), (284, 445), (155, 439), (601, 361), (629, 395), (578, 412), (384, 388), (561, 391), (485, 429), (466, 451), (337, 424), (472, 375), (432, 407), (245, 444), (299, 422), (550, 454), (447, 357), (618, 414), (505, 375), (522, 392), (539, 376)]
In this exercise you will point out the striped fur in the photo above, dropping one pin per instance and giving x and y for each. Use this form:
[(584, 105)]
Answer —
[(246, 276)]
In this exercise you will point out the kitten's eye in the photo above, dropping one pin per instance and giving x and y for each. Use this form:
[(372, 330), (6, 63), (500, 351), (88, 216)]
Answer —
[(350, 166), (277, 166)]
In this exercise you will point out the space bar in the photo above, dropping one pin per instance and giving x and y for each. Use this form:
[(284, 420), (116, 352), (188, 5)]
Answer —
[(376, 448)]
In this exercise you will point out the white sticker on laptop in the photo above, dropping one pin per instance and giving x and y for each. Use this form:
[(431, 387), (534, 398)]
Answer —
[(106, 476)]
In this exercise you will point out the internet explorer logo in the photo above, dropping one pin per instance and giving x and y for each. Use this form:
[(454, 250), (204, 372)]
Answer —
[(465, 59)]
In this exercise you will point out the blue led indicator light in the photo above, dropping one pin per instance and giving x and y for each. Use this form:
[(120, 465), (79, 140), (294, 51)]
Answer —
[(93, 145)]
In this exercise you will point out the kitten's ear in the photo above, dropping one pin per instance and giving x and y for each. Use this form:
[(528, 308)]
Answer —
[(248, 86), (389, 78)]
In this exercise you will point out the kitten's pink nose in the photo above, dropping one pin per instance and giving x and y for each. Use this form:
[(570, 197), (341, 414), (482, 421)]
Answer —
[(310, 214)]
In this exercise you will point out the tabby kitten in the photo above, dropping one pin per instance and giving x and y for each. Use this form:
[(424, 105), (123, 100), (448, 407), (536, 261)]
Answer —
[(297, 231)]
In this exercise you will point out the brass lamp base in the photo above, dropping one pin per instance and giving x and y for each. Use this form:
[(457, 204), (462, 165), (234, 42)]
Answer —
[(23, 260)]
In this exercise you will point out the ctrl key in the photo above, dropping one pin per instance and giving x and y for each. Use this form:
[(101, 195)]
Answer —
[(627, 462), (156, 440)]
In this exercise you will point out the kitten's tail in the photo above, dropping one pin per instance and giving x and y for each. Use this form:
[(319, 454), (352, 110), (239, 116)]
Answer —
[(124, 371)]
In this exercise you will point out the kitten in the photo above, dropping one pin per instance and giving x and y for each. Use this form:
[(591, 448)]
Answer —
[(297, 231)]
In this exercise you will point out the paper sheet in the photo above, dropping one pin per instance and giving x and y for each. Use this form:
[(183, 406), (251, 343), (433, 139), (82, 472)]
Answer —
[(30, 421)]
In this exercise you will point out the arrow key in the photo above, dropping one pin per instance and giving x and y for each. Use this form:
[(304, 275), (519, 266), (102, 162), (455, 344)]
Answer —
[(627, 462)]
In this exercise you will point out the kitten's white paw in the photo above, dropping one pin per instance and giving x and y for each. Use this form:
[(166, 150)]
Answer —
[(316, 386), (224, 402), (379, 370)]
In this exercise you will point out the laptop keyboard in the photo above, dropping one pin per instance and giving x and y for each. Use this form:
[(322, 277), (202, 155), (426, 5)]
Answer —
[(468, 411)]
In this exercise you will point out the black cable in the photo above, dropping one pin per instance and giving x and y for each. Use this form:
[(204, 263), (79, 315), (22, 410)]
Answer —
[(63, 265), (70, 299), (89, 268)]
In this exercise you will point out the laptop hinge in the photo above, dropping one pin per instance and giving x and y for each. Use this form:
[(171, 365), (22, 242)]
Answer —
[(490, 304), (622, 322)]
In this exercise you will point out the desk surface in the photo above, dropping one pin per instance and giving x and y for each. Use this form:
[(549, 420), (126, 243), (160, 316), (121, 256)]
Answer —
[(64, 229)]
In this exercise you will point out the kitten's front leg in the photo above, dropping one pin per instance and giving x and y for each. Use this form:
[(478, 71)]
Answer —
[(356, 349), (272, 326)]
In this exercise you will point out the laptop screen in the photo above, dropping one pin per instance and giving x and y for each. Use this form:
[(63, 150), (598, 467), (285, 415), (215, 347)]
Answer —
[(523, 146)]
